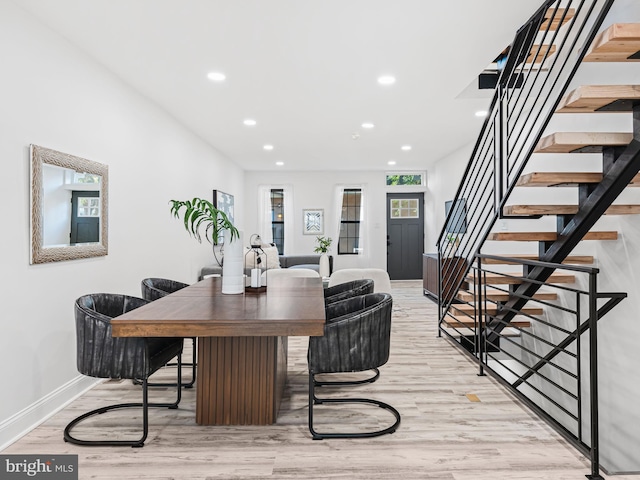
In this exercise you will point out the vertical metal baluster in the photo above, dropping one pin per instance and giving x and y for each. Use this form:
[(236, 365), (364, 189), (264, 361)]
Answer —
[(478, 298), (593, 376)]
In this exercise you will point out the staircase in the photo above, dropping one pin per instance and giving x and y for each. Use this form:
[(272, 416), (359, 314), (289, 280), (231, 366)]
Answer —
[(498, 313)]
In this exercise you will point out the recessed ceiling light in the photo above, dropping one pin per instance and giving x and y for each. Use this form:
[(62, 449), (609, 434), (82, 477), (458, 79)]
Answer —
[(368, 125), (279, 163), (250, 122), (406, 148), (481, 113), (386, 80), (216, 76), (268, 147), (391, 162)]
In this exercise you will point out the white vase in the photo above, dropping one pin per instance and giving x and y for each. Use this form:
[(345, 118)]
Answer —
[(233, 266), (218, 254), (324, 265)]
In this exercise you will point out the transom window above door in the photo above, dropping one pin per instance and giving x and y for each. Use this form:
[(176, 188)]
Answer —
[(406, 179)]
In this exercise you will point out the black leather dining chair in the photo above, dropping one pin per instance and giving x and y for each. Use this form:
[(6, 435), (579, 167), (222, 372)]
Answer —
[(357, 337), (342, 291), (346, 290), (101, 355), (153, 289)]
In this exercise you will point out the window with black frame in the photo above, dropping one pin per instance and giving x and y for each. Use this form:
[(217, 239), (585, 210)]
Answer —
[(277, 218), (349, 241)]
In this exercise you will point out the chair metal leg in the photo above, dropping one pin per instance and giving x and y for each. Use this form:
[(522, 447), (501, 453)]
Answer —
[(189, 384), (145, 417), (319, 435), (373, 378)]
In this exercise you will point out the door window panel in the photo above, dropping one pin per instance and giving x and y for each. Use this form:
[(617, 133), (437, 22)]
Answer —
[(88, 206), (404, 208)]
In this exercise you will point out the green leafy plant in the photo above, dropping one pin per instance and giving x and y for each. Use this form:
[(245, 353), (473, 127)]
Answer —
[(453, 238), (198, 213), (323, 244)]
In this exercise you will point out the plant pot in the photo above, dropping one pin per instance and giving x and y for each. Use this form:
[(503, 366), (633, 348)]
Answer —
[(324, 265), (233, 266), (218, 254)]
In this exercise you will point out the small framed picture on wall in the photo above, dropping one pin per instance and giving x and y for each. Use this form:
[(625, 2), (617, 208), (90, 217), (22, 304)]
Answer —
[(224, 202), (313, 221)]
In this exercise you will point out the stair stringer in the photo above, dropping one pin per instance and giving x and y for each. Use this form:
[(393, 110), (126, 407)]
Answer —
[(615, 180)]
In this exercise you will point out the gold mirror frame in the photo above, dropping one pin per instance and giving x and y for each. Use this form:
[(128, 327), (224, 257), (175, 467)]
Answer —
[(41, 156)]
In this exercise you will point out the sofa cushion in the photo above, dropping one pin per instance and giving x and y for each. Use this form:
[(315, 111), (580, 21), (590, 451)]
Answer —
[(285, 261), (269, 258), (308, 266)]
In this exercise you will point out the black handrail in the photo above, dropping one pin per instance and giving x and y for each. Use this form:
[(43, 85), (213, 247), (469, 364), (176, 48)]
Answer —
[(529, 91), (526, 97), (537, 352)]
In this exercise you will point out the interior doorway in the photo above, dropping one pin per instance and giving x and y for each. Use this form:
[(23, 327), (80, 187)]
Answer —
[(405, 235), (85, 217)]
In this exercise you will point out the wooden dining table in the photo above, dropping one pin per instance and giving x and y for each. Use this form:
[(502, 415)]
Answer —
[(242, 342)]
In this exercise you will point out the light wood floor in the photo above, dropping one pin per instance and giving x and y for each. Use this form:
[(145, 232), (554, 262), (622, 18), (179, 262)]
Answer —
[(443, 434)]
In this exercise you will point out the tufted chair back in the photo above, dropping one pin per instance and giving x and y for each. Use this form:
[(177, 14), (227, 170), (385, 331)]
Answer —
[(357, 335), (346, 290), (155, 288), (101, 355)]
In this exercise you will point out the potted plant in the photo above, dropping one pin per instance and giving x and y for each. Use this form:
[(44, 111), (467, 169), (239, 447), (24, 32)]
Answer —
[(322, 248), (200, 212), (323, 244), (453, 240)]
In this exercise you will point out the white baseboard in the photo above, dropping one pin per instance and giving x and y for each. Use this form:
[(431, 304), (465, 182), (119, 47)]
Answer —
[(18, 425)]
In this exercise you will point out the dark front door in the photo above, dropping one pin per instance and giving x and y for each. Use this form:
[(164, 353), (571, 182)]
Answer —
[(85, 217), (405, 235)]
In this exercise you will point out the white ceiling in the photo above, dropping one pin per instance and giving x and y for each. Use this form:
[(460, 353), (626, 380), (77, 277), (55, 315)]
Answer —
[(305, 70)]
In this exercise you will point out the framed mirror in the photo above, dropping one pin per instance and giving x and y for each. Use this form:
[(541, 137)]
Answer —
[(69, 206)]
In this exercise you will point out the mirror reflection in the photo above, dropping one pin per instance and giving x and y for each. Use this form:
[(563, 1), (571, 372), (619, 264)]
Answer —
[(68, 206), (71, 206)]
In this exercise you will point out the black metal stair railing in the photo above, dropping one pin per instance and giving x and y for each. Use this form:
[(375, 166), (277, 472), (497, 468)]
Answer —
[(530, 87), (540, 369), (549, 357)]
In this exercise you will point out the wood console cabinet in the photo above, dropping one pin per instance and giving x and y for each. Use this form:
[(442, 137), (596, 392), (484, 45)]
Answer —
[(430, 275)]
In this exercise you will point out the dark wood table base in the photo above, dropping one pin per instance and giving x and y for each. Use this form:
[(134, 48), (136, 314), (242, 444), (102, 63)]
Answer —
[(240, 380)]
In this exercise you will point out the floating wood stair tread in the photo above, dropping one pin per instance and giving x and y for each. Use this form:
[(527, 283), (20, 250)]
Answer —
[(465, 308), (600, 98), (541, 52), (571, 260), (616, 44), (499, 296), (582, 142), (553, 22), (566, 210), (558, 179), (466, 322), (565, 179), (546, 236), (506, 332), (497, 279)]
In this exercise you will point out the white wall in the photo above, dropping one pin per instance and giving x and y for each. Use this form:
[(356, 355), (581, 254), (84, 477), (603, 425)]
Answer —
[(316, 190), (57, 97), (442, 184)]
